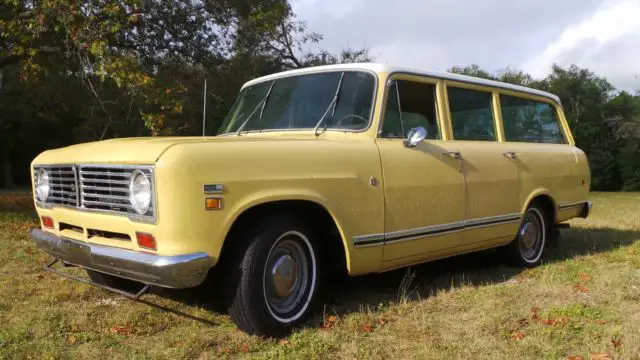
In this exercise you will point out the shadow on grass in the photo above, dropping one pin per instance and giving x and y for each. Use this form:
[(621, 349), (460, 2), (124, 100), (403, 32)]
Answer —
[(343, 295)]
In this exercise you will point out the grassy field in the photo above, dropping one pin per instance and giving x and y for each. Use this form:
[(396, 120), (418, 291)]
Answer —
[(583, 303)]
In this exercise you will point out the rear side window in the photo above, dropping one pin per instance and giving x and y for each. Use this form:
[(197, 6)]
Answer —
[(471, 114), (528, 120)]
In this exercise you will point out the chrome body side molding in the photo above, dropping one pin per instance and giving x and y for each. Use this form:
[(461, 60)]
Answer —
[(427, 231)]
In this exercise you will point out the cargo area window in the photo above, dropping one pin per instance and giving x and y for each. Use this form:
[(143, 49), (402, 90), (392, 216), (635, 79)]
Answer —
[(410, 104), (471, 114), (528, 120)]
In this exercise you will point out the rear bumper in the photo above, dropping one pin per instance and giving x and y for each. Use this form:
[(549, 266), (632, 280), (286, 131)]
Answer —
[(181, 271), (586, 209)]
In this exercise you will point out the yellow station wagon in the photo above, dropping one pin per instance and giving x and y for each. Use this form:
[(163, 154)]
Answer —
[(358, 167)]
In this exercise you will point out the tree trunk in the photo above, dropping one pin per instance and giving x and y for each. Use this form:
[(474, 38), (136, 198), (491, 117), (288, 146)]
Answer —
[(8, 174), (6, 159)]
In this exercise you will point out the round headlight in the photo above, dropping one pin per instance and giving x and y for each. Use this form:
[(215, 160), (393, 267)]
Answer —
[(140, 192), (42, 185)]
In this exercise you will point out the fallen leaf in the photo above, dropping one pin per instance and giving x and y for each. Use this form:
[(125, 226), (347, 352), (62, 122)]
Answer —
[(562, 320), (600, 356), (602, 322), (382, 322), (584, 276), (616, 342), (534, 312), (580, 288), (575, 357), (517, 335), (244, 348), (71, 340), (523, 322), (283, 342), (122, 330), (631, 251), (367, 328)]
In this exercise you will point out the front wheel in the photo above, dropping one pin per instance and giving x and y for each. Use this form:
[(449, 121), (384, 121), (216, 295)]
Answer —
[(527, 248), (274, 278)]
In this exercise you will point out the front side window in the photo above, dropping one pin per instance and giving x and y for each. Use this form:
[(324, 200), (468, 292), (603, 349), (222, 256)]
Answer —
[(336, 100), (409, 105), (471, 114), (528, 120)]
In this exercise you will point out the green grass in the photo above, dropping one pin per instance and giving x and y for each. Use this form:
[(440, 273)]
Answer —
[(583, 301)]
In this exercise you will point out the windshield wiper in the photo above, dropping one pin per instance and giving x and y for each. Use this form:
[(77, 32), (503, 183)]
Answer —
[(333, 104), (261, 105)]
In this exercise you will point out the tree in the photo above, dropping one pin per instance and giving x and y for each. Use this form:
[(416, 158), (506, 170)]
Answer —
[(471, 70)]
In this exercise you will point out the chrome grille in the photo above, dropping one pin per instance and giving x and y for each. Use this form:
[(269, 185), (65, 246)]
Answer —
[(107, 188), (96, 188), (62, 185)]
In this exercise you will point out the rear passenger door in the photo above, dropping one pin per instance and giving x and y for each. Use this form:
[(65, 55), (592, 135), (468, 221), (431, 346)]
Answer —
[(491, 177)]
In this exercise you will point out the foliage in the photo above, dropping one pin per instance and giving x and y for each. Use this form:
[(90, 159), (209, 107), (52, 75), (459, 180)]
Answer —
[(83, 71)]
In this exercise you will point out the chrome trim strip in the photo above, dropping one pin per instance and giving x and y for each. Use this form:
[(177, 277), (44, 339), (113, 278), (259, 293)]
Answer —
[(180, 271), (368, 239), (572, 204), (440, 229)]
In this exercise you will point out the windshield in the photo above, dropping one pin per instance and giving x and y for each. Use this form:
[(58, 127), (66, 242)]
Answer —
[(333, 100)]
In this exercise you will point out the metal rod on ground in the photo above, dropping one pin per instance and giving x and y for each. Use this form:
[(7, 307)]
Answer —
[(204, 108)]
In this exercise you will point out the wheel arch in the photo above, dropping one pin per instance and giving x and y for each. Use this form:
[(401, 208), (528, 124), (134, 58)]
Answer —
[(544, 197), (305, 205)]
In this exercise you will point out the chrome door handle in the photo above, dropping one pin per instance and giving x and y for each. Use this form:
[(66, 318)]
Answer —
[(453, 154), (511, 155)]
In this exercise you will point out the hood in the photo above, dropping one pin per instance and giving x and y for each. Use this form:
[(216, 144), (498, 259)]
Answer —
[(138, 151)]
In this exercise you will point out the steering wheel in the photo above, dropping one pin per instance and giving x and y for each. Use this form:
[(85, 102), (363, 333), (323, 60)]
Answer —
[(351, 116)]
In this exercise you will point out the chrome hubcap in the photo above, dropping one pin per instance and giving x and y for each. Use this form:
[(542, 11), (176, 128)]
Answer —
[(530, 235), (287, 274), (284, 275)]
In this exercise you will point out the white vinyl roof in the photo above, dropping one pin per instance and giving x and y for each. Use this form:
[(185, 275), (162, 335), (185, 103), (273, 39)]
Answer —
[(377, 68)]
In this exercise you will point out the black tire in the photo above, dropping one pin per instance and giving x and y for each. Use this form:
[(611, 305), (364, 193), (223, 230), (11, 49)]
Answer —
[(528, 246), (113, 281), (252, 294)]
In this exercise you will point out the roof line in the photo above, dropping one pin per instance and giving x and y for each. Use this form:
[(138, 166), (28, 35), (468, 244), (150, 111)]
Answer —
[(378, 67)]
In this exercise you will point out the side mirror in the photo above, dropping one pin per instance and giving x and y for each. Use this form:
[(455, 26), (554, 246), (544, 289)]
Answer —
[(415, 136)]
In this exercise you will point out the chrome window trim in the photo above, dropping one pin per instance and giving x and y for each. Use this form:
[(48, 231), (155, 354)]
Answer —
[(287, 75), (80, 206), (433, 230)]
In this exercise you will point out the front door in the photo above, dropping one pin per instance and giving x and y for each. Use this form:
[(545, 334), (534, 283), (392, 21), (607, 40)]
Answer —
[(423, 185)]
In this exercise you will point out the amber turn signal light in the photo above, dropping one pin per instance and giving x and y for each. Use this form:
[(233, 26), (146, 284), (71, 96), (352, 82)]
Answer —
[(47, 222), (146, 241), (213, 203)]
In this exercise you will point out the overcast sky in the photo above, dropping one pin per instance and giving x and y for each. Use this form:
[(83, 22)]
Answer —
[(602, 35)]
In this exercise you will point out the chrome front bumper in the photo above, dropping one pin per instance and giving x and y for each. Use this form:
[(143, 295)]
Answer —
[(181, 271)]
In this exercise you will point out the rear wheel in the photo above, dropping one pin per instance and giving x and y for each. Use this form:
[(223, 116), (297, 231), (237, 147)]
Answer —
[(274, 278), (527, 248)]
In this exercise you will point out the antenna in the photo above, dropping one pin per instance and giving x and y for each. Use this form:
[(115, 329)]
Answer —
[(204, 108)]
